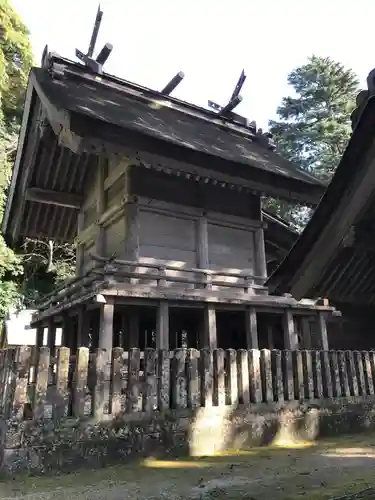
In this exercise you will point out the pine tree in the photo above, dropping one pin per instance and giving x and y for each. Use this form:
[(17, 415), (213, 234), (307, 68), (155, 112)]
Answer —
[(314, 124)]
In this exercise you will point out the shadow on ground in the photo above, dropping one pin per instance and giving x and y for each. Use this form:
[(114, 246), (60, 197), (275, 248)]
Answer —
[(323, 470)]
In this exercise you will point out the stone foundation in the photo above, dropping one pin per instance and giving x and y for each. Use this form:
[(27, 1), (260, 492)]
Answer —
[(42, 446)]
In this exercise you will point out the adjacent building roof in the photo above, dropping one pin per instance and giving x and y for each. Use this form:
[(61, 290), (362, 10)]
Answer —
[(71, 116), (335, 254)]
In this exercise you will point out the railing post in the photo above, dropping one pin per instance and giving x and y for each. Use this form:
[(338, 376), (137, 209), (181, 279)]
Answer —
[(219, 377), (232, 384), (80, 382), (243, 376), (116, 381), (150, 394)]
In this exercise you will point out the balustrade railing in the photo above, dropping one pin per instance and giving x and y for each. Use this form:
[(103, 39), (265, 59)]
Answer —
[(105, 384)]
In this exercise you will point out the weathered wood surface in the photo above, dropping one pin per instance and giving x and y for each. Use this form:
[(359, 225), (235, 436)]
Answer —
[(111, 383)]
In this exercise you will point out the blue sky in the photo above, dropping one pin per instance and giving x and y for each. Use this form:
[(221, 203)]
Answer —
[(211, 41)]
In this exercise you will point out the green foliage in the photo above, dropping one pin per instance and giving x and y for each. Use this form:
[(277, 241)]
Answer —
[(39, 265), (15, 62), (314, 125)]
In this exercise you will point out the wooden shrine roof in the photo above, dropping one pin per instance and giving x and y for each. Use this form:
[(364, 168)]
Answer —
[(71, 116), (334, 257)]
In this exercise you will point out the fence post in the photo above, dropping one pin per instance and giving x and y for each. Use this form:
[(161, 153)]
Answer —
[(299, 389), (133, 381), (327, 377), (41, 382), (163, 379), (317, 374), (255, 376), (80, 382), (243, 376), (308, 374), (277, 376), (353, 384), (61, 400), (206, 367), (335, 374), (115, 406), (288, 375), (219, 378), (345, 389), (21, 378), (194, 399), (266, 374), (232, 385), (360, 373), (368, 373), (150, 393), (179, 385), (102, 376)]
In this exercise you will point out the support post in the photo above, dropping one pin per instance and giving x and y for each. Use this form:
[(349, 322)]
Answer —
[(83, 327), (306, 333), (290, 334), (322, 332), (251, 328), (162, 326), (51, 338), (134, 328), (209, 327), (106, 325), (260, 255), (39, 337)]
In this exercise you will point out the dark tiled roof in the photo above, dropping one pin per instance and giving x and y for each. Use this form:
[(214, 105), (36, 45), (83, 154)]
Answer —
[(167, 119)]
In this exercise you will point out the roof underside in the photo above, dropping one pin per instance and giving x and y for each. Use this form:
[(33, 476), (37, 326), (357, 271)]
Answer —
[(71, 117), (335, 255)]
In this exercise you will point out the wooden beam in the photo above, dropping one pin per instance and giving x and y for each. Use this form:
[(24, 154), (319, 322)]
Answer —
[(49, 197)]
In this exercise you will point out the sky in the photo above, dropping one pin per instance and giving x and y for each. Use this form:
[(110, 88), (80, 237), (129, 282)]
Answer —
[(211, 41)]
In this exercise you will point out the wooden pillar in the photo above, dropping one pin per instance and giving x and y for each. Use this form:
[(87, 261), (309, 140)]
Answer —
[(106, 325), (251, 328), (209, 327), (100, 206), (79, 250), (270, 337), (306, 333), (39, 336), (162, 325), (260, 254), (290, 334), (322, 332), (83, 326), (133, 328), (202, 243), (51, 337)]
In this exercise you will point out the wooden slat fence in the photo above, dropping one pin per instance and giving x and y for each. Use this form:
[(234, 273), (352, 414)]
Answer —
[(34, 385)]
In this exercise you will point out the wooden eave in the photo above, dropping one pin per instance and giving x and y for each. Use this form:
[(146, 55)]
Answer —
[(71, 117), (326, 260)]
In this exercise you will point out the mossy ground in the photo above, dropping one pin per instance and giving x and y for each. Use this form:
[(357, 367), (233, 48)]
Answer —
[(323, 470)]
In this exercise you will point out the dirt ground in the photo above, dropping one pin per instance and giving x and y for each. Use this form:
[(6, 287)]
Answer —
[(325, 470)]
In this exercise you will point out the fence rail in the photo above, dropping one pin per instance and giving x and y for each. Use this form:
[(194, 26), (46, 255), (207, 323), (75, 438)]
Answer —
[(36, 385)]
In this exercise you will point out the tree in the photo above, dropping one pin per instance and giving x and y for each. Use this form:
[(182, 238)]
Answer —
[(314, 125), (16, 60), (39, 264)]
